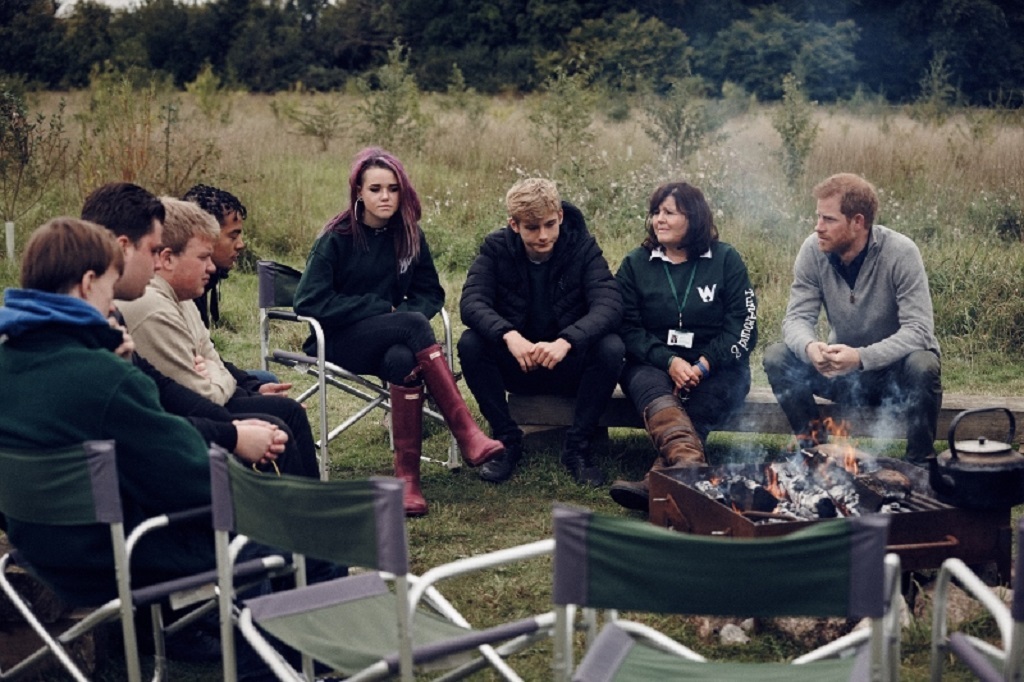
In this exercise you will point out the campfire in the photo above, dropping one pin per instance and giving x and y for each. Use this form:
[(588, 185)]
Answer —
[(826, 480), (820, 482)]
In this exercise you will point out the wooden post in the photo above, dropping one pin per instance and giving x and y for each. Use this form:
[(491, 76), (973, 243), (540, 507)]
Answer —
[(9, 239)]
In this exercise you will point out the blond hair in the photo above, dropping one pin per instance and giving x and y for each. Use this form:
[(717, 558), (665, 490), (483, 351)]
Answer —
[(532, 199), (185, 220)]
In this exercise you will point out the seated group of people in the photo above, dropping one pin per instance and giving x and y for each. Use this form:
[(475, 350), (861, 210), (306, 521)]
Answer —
[(108, 338), (675, 326)]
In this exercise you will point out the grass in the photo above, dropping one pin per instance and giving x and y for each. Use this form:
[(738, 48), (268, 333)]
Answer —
[(957, 189)]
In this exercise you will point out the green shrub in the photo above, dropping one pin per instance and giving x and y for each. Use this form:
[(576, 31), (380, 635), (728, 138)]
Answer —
[(680, 121), (562, 115), (389, 114), (794, 122), (34, 152)]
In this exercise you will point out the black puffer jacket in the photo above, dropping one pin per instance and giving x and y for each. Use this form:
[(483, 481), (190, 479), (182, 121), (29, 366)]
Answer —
[(585, 296)]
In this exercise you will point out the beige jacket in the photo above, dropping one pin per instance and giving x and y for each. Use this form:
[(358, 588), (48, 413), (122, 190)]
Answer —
[(169, 333)]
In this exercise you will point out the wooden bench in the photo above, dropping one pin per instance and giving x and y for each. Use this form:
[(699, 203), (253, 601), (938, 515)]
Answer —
[(762, 414)]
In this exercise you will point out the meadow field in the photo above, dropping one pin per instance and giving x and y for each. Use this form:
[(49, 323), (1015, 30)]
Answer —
[(955, 186)]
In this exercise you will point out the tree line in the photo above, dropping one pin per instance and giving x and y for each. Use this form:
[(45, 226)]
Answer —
[(890, 49)]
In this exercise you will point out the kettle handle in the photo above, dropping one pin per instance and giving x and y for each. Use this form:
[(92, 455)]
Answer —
[(956, 421)]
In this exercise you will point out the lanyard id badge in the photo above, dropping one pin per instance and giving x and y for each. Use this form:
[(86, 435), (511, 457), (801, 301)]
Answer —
[(678, 337)]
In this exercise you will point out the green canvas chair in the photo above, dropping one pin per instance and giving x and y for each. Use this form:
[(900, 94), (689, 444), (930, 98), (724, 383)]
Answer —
[(985, 660), (277, 283), (833, 568), (379, 622), (78, 486)]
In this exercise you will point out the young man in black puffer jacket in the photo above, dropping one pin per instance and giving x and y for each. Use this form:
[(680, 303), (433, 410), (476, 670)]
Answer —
[(542, 311)]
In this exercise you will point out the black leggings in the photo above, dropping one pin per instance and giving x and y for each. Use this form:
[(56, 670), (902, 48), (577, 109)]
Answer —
[(384, 345), (707, 405)]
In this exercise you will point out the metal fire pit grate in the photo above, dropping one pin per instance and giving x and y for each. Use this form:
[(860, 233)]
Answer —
[(924, 531)]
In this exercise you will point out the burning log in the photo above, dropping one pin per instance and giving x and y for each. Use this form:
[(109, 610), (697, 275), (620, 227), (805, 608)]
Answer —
[(818, 483), (888, 484)]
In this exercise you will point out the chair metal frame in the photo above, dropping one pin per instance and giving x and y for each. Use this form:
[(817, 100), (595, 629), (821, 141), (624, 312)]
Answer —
[(987, 661), (882, 635), (378, 518), (371, 390), (105, 501)]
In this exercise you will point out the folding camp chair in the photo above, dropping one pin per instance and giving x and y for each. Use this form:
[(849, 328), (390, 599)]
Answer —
[(78, 486), (985, 660), (277, 283), (833, 568), (372, 624)]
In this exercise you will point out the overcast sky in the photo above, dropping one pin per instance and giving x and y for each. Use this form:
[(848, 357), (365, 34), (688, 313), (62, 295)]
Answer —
[(65, 5)]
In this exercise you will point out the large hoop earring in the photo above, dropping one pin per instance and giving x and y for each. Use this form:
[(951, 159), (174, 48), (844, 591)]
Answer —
[(355, 209)]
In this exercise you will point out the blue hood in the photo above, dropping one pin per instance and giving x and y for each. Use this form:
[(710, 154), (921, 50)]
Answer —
[(28, 309)]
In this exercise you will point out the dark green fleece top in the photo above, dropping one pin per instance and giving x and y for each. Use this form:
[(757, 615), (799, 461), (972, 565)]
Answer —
[(343, 283), (720, 308), (63, 385)]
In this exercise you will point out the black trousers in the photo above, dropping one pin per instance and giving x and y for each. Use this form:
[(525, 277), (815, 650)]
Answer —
[(384, 346), (590, 375), (707, 404), (299, 456)]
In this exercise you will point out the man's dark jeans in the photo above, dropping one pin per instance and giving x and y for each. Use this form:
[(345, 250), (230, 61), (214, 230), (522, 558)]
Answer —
[(912, 387)]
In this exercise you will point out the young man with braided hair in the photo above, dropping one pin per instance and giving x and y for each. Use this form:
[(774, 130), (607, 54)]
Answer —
[(229, 212)]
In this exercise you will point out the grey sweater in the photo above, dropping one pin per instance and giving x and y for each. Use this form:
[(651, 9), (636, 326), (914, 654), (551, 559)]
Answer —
[(886, 316)]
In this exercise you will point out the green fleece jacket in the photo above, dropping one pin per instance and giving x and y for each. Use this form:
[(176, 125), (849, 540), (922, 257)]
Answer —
[(720, 308), (344, 284), (63, 385)]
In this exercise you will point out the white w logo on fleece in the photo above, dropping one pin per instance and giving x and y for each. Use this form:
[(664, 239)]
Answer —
[(707, 294)]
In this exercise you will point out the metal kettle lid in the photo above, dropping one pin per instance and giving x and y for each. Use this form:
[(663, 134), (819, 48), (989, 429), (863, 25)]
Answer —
[(982, 446)]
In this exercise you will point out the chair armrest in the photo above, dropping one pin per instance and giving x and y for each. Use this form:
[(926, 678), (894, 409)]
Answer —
[(285, 315), (164, 520), (424, 583), (975, 587)]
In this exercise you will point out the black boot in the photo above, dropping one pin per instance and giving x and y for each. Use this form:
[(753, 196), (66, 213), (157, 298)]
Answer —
[(631, 494), (578, 458), (500, 469)]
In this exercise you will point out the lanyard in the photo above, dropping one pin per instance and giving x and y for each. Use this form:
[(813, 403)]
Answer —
[(675, 294)]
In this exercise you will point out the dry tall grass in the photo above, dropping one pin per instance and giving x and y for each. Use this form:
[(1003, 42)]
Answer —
[(957, 188)]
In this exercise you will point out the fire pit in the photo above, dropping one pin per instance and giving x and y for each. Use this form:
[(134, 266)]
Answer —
[(743, 501)]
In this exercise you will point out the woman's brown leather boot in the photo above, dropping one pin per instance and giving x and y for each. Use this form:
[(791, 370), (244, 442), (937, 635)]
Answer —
[(677, 445)]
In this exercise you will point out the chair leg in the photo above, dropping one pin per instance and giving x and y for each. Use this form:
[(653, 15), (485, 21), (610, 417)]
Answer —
[(476, 447), (407, 429)]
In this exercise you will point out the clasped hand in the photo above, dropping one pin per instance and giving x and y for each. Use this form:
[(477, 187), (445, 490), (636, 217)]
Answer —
[(833, 360), (530, 356), (684, 375)]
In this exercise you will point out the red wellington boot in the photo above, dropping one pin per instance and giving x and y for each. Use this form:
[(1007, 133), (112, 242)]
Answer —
[(407, 428), (476, 447)]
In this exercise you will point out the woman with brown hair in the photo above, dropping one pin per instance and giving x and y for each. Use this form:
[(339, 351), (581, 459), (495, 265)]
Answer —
[(690, 323)]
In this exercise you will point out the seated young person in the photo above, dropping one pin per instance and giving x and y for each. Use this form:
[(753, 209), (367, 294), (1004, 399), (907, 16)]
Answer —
[(64, 385), (541, 309), (168, 332), (135, 218)]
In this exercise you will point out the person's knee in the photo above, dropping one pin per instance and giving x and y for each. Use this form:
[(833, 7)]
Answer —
[(922, 372), (421, 333), (777, 358), (610, 351), (470, 347)]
